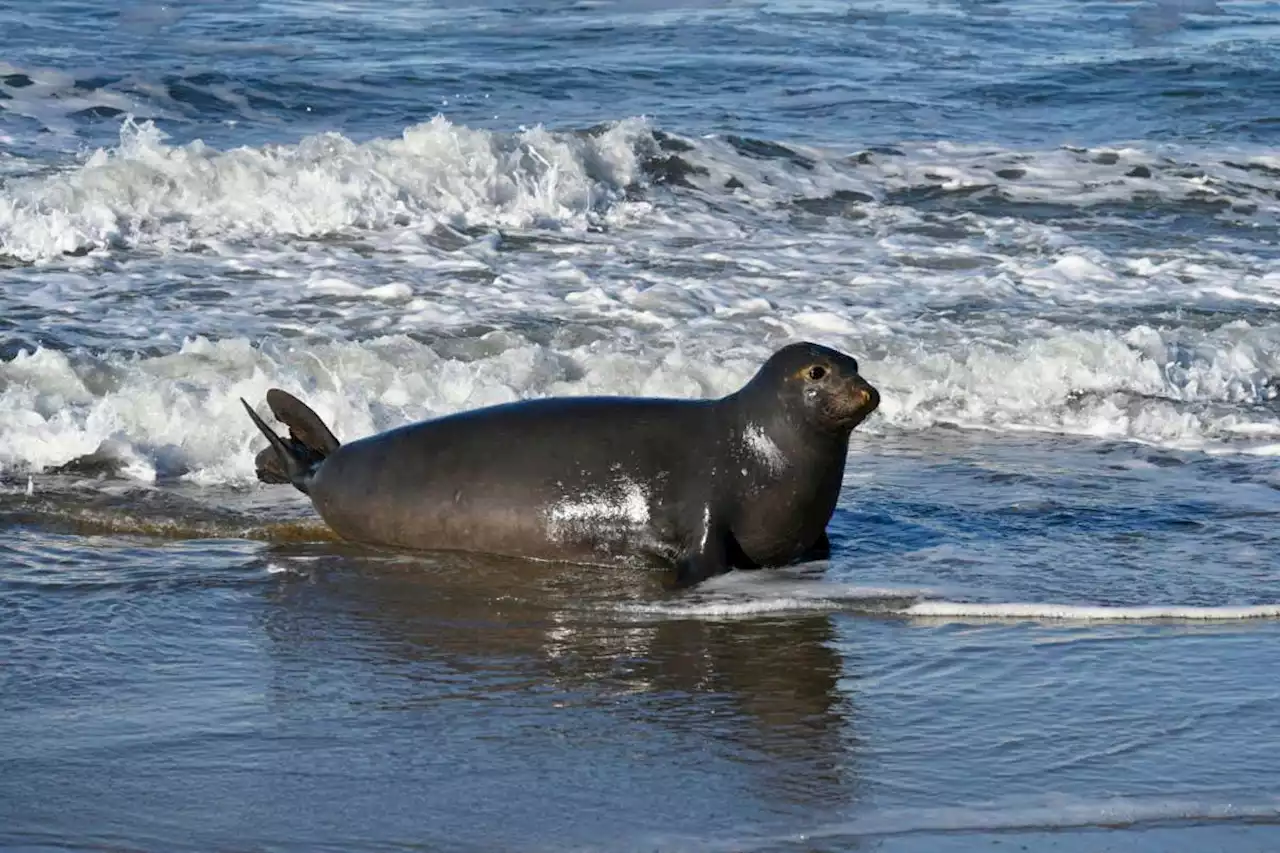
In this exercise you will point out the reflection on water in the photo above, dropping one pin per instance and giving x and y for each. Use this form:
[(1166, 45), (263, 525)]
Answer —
[(325, 696), (762, 694)]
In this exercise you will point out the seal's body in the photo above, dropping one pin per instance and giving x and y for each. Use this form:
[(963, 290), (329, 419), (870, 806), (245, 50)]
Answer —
[(744, 481)]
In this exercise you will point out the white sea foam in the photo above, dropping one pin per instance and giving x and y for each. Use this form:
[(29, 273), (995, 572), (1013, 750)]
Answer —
[(745, 594), (179, 414), (736, 609), (148, 193), (687, 298), (1088, 613), (889, 601), (56, 406)]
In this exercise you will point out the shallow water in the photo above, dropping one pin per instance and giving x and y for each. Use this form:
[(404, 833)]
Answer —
[(1047, 233)]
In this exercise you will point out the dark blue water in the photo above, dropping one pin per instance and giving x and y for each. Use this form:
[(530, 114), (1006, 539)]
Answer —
[(1024, 73)]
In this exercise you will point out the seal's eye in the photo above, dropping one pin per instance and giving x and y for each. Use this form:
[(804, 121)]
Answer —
[(817, 372)]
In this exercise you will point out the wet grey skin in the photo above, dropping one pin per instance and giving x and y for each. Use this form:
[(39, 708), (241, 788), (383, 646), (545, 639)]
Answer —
[(701, 486)]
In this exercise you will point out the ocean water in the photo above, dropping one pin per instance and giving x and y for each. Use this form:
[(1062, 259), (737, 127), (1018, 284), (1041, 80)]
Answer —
[(1048, 232)]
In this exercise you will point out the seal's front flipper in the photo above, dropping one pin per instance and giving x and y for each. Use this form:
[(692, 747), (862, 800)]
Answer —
[(708, 558), (693, 569), (820, 550)]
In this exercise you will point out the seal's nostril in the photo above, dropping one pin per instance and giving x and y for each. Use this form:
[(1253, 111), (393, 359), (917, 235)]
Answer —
[(866, 397)]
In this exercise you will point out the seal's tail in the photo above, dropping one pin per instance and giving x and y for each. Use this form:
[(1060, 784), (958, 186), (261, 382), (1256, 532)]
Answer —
[(293, 459)]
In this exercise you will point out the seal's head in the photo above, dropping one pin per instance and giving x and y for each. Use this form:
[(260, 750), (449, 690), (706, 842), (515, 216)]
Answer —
[(818, 386)]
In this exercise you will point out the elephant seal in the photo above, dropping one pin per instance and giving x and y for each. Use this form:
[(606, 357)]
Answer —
[(702, 485)]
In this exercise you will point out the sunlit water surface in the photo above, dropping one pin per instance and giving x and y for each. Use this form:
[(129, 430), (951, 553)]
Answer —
[(1047, 231)]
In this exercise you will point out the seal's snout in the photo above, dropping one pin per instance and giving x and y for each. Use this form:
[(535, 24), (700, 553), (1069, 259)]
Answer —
[(862, 397), (865, 396)]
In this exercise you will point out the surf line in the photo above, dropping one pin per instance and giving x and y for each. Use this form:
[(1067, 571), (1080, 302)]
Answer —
[(894, 603), (1087, 612)]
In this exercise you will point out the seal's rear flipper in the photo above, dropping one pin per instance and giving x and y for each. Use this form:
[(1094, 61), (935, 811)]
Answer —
[(292, 460), (270, 470), (304, 424)]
